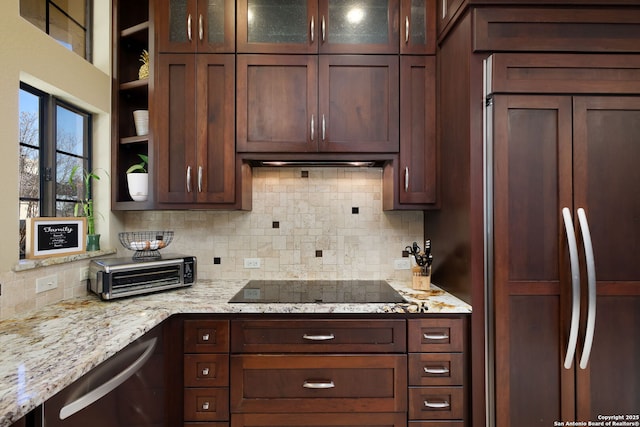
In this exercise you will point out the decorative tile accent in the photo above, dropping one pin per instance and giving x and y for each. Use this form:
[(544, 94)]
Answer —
[(312, 214)]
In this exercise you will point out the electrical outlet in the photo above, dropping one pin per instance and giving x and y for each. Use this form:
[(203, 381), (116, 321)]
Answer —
[(84, 274), (402, 264), (252, 263), (46, 283)]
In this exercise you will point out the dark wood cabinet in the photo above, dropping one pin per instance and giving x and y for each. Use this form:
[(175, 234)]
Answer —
[(317, 26), (132, 34), (195, 26), (206, 371), (577, 158), (331, 103), (411, 181), (418, 27), (195, 126)]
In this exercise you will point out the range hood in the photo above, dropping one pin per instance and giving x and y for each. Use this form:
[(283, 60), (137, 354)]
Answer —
[(316, 160)]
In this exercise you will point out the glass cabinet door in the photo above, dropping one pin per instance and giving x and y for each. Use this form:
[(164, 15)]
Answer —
[(195, 26), (277, 26), (418, 27), (359, 26)]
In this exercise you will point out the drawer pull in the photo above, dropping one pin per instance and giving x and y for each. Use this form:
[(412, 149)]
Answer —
[(205, 406), (205, 372), (205, 337), (318, 337), (318, 385), (441, 336), (436, 370), (436, 405)]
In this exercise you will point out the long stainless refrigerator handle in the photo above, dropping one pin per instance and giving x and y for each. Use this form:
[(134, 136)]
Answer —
[(575, 287), (107, 387), (591, 285)]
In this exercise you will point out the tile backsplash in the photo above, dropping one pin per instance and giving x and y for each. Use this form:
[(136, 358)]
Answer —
[(315, 223)]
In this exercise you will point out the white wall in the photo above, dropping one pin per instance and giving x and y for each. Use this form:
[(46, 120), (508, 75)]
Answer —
[(29, 55)]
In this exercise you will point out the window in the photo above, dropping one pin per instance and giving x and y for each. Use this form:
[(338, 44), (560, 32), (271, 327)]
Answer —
[(67, 21), (54, 138)]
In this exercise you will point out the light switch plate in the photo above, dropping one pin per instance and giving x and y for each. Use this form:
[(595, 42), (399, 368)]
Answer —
[(252, 263), (402, 264)]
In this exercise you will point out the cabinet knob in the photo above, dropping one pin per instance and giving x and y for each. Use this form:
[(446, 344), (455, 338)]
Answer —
[(205, 337), (205, 406), (205, 372)]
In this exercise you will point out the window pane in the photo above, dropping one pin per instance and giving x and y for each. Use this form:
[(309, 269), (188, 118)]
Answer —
[(67, 32), (29, 162), (64, 189), (74, 8), (34, 11), (70, 131)]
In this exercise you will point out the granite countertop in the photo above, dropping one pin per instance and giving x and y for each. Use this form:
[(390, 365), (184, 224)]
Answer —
[(43, 352)]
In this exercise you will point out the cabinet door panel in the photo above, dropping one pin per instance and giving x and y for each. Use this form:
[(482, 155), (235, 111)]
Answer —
[(276, 26), (607, 184), (175, 19), (418, 164), (418, 27), (216, 26), (215, 170), (532, 182), (176, 127), (277, 102), (359, 103), (353, 26)]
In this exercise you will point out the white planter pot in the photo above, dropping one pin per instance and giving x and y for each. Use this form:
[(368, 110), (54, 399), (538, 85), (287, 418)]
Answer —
[(141, 121), (138, 186)]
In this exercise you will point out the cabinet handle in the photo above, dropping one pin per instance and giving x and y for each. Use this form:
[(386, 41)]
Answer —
[(575, 287), (318, 337), (188, 179), (436, 405), (205, 372), (406, 29), (313, 127), (189, 26), (406, 179), (323, 27), (205, 406), (318, 384), (199, 179), (205, 337), (200, 28), (324, 128), (591, 285), (436, 370), (436, 336), (312, 28)]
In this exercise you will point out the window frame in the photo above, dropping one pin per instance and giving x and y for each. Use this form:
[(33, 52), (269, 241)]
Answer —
[(48, 149)]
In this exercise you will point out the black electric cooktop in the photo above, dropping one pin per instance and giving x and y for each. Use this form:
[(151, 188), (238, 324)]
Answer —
[(317, 291)]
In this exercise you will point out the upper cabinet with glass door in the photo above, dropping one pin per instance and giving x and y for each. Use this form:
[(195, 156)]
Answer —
[(418, 27), (205, 26), (318, 26)]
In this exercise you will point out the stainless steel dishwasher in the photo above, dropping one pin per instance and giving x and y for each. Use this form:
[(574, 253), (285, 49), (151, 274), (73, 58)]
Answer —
[(127, 390)]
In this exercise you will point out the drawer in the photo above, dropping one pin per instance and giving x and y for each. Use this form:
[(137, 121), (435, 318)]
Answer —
[(319, 336), (318, 383), (427, 369), (206, 404), (206, 336), (445, 423), (206, 370), (319, 420), (211, 424), (436, 335), (436, 403)]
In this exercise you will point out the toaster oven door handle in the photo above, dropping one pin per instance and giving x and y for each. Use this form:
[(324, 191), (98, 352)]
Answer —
[(107, 387)]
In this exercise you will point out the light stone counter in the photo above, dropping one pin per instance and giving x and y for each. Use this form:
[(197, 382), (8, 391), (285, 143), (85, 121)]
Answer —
[(42, 353)]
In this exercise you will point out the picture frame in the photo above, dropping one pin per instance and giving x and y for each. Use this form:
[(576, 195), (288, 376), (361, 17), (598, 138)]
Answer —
[(55, 236)]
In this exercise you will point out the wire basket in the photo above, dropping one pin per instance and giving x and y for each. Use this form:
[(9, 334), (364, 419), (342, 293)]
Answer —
[(146, 243)]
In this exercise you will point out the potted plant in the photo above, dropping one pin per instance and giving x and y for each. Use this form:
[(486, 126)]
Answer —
[(138, 179), (84, 206)]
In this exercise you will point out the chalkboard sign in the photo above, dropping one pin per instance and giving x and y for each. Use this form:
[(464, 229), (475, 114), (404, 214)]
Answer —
[(50, 236)]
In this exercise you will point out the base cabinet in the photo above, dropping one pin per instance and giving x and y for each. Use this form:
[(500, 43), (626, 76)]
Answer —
[(293, 372)]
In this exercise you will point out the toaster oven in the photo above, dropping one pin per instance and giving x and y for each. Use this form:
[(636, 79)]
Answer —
[(112, 278)]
